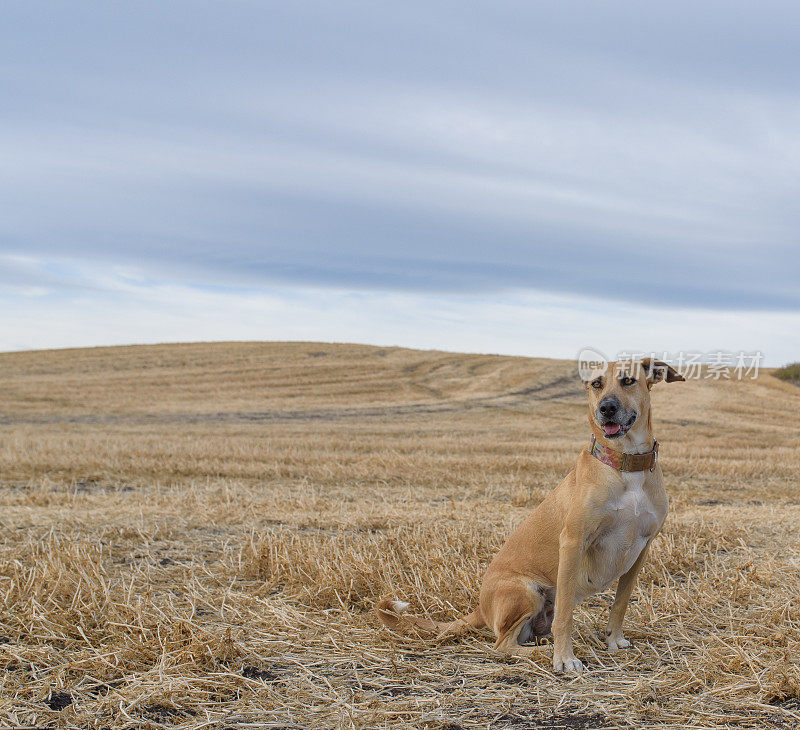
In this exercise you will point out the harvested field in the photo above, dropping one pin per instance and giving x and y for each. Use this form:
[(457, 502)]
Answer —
[(193, 536)]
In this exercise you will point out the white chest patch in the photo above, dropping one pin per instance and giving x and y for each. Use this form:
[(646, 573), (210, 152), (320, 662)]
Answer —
[(631, 520)]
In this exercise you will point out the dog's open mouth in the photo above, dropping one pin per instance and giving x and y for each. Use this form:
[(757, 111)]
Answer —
[(614, 429)]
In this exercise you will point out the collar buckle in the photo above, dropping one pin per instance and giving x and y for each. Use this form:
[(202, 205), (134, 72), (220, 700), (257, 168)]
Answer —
[(655, 454)]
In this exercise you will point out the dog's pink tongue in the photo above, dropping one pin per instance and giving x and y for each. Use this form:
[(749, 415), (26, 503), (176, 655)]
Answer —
[(611, 428)]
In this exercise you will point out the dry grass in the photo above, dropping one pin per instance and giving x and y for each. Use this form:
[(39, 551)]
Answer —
[(193, 535)]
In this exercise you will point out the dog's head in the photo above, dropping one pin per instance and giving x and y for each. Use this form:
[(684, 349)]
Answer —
[(619, 395)]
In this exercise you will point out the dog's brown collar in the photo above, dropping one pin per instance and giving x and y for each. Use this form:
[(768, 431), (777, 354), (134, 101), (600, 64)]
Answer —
[(621, 461)]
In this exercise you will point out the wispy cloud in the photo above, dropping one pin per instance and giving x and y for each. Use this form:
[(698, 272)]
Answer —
[(90, 305)]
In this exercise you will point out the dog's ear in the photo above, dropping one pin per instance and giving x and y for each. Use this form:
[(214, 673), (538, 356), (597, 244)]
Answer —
[(656, 371)]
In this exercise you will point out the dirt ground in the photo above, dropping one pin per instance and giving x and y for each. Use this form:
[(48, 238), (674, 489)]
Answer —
[(193, 536)]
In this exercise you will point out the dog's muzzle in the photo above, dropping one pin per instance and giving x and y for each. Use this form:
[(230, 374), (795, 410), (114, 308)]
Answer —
[(613, 419)]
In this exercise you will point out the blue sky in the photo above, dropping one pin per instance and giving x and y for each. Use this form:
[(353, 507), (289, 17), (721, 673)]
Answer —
[(517, 177)]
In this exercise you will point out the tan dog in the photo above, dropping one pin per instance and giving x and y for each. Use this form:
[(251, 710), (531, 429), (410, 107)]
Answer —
[(591, 530)]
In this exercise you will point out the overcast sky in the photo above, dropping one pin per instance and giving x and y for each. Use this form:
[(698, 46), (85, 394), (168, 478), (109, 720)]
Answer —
[(514, 177)]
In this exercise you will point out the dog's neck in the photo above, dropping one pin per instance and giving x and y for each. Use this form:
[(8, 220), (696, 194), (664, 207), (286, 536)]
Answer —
[(639, 440)]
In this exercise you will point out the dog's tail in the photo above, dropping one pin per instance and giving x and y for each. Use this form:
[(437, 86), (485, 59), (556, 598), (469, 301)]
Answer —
[(393, 614)]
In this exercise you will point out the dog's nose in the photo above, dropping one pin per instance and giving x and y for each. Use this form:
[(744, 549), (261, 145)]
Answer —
[(607, 407)]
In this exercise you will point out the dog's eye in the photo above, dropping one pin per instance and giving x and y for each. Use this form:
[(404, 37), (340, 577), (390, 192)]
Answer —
[(596, 384), (627, 381)]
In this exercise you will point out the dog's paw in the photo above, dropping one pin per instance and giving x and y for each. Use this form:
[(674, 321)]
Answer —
[(567, 664), (617, 642)]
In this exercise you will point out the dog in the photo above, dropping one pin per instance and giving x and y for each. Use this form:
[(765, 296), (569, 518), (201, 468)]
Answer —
[(593, 529)]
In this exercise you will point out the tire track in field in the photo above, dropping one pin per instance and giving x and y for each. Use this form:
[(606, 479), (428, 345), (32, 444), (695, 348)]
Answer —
[(563, 387)]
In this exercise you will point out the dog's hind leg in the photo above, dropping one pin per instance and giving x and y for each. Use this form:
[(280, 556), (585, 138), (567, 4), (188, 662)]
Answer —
[(523, 616)]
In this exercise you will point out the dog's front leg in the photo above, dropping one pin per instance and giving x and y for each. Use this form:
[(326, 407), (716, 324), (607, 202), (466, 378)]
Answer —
[(569, 556), (614, 637)]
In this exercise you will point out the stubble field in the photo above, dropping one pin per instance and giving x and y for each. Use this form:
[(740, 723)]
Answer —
[(194, 535)]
